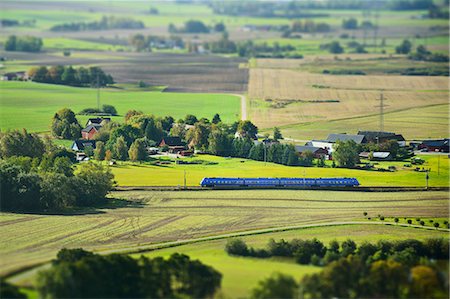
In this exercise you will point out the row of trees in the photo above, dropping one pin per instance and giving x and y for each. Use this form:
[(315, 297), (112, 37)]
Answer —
[(68, 75), (196, 26), (36, 175), (105, 23), (351, 277), (23, 43), (81, 274), (145, 43), (407, 252)]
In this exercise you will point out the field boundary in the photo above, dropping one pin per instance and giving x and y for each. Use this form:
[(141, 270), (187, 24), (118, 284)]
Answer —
[(352, 189), (17, 274)]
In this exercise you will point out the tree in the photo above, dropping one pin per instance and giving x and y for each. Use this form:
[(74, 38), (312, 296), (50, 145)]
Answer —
[(335, 48), (63, 165), (93, 182), (409, 221), (220, 143), (348, 247), (246, 128), (137, 150), (15, 143), (198, 136), (108, 155), (100, 151), (120, 150), (216, 119), (8, 290), (68, 77), (278, 285), (404, 47), (396, 220), (219, 27), (65, 124), (55, 74), (131, 113), (351, 24), (236, 247), (109, 109), (190, 119), (194, 26), (277, 134), (346, 153)]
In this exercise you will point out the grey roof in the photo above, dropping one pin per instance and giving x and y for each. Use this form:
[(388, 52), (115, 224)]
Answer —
[(98, 120), (345, 137), (81, 144), (373, 135), (88, 128), (304, 148)]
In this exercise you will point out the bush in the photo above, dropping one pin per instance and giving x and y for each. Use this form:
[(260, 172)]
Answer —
[(237, 247), (109, 109)]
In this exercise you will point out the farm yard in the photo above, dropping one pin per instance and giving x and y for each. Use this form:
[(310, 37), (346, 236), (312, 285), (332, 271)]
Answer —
[(137, 219)]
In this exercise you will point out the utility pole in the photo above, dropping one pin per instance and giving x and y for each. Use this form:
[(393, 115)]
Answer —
[(184, 179), (381, 106), (427, 177), (98, 91)]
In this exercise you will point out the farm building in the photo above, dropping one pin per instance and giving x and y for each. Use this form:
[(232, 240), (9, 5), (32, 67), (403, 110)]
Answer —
[(318, 152), (98, 121), (376, 156), (14, 76), (89, 132), (440, 145), (328, 146), (175, 144), (80, 145), (380, 137), (359, 139)]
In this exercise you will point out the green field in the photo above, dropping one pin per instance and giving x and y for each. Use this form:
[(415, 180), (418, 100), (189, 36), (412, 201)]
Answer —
[(32, 105), (146, 174), (180, 217), (414, 124)]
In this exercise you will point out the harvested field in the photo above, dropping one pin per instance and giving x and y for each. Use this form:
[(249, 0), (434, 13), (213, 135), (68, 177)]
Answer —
[(179, 72), (151, 217), (357, 95)]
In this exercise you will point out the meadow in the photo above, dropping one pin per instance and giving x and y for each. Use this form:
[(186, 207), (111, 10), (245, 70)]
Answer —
[(149, 174), (32, 105), (202, 221)]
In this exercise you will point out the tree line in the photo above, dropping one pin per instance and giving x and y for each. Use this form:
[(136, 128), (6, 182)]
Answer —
[(36, 175), (77, 273), (196, 26), (23, 43), (106, 22), (68, 75), (386, 269)]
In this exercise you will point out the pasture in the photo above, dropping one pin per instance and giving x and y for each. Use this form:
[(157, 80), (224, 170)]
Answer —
[(32, 105), (137, 219), (150, 174)]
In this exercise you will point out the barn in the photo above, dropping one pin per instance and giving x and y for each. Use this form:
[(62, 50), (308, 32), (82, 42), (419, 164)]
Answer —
[(89, 132)]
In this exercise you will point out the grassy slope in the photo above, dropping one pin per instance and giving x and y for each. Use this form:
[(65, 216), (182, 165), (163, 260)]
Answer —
[(240, 275), (128, 174), (154, 217), (31, 105)]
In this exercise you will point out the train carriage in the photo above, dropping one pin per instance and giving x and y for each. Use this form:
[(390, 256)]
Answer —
[(278, 182)]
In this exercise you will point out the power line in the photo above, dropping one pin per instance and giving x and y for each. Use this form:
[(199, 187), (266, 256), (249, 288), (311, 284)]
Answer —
[(382, 106)]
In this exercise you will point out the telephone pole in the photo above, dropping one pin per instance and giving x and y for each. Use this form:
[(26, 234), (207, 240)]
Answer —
[(98, 91)]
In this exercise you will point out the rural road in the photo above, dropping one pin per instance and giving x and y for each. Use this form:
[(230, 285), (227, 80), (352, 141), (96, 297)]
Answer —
[(243, 105), (33, 269)]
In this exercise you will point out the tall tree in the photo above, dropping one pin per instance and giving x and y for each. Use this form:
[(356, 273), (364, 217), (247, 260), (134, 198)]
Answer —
[(120, 150), (346, 153), (138, 151), (100, 151)]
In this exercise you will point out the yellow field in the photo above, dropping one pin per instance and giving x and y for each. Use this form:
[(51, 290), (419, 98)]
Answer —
[(357, 95)]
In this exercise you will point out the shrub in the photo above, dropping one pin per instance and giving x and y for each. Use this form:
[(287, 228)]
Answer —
[(109, 109), (236, 247), (422, 223)]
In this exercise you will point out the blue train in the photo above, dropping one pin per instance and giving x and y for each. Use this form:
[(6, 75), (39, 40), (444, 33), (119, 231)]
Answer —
[(278, 182)]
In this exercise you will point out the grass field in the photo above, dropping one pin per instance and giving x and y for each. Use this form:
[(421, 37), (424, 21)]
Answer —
[(149, 217), (31, 105), (145, 174)]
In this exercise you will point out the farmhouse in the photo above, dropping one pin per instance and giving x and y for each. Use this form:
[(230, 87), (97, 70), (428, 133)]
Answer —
[(440, 145), (318, 152), (358, 139), (80, 145), (89, 132), (380, 137), (175, 144), (98, 121), (328, 146)]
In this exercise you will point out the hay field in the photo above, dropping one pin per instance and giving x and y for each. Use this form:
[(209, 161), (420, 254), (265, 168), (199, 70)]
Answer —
[(414, 124), (357, 95), (152, 217)]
